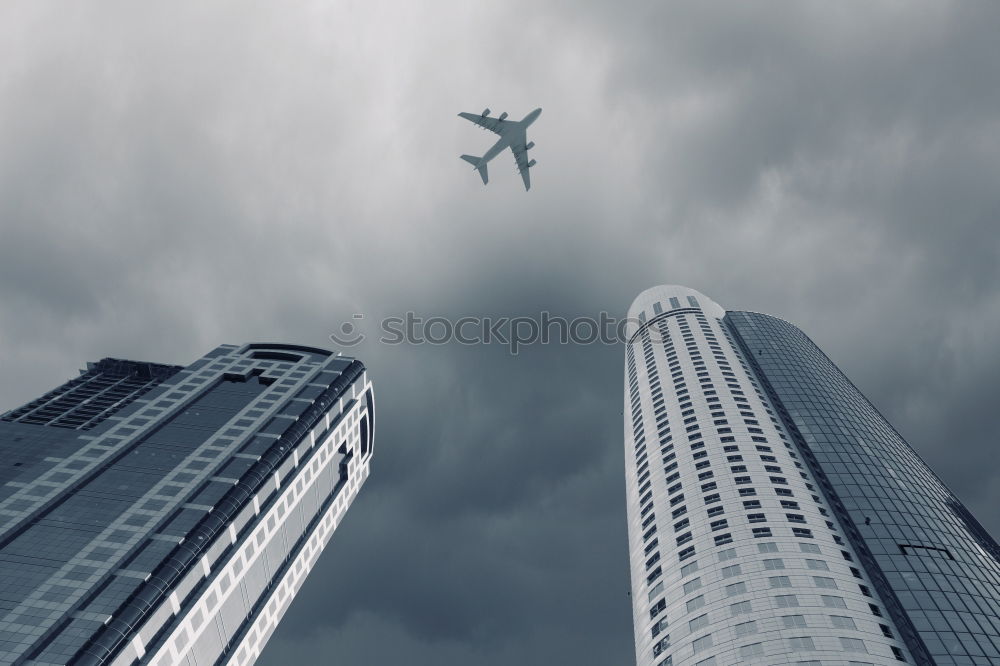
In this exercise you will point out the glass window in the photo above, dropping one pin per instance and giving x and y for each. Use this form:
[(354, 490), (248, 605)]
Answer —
[(842, 622), (746, 628), (786, 601), (698, 623), (692, 585), (823, 581), (802, 643), (769, 547), (752, 650), (780, 581), (702, 644), (793, 621), (727, 554), (736, 588), (696, 603), (818, 565), (730, 571), (833, 602), (740, 608), (853, 644), (776, 563), (689, 569)]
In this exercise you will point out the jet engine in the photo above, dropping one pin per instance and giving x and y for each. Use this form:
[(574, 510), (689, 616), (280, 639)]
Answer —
[(531, 144), (502, 115), (486, 112), (531, 164)]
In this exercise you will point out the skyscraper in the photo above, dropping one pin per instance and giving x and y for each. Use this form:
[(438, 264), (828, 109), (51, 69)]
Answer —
[(163, 514), (775, 517)]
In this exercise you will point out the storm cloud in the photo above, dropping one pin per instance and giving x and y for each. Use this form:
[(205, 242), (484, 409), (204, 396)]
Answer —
[(180, 175)]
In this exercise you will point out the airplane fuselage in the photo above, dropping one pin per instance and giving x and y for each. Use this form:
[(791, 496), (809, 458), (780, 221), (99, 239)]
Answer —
[(512, 135)]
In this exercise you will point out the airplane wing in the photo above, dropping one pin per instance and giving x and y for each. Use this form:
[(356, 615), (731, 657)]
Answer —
[(492, 124), (520, 150)]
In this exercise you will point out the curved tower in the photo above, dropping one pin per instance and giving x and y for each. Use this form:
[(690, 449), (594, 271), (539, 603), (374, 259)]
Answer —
[(737, 553)]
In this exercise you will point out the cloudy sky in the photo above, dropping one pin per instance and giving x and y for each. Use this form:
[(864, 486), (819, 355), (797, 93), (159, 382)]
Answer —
[(177, 176)]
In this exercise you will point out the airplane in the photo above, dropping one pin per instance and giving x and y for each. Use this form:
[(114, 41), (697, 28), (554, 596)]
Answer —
[(512, 135)]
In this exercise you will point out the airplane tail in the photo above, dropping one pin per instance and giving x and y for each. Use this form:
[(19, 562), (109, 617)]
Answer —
[(479, 165)]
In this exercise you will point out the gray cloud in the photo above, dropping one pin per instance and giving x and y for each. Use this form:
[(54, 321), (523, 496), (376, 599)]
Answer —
[(179, 176)]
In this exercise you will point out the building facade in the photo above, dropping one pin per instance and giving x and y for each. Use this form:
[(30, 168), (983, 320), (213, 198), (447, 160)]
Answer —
[(775, 517), (163, 515)]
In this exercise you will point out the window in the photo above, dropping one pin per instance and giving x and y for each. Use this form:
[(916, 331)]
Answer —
[(711, 485), (723, 539), (686, 553), (823, 581), (786, 601), (692, 585), (684, 538), (774, 564), (658, 627), (678, 512), (702, 644), (751, 504), (698, 623), (730, 571), (716, 511), (736, 588), (655, 591), (746, 628), (740, 608), (795, 518), (752, 650), (712, 498), (756, 518), (696, 603), (657, 572), (793, 621), (719, 525), (759, 532), (832, 602), (864, 590), (853, 645), (780, 581), (802, 532), (769, 547), (689, 569), (886, 631), (842, 622), (657, 608), (747, 492), (662, 645), (680, 525), (801, 643), (818, 565)]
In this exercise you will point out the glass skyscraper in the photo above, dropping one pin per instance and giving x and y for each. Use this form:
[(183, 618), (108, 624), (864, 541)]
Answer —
[(162, 514), (775, 517)]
